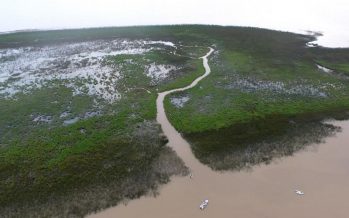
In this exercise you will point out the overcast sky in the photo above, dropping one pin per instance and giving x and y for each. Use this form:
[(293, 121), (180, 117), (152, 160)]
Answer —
[(328, 16)]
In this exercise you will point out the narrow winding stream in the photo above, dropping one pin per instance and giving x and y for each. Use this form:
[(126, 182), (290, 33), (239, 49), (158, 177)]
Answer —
[(176, 141), (266, 191)]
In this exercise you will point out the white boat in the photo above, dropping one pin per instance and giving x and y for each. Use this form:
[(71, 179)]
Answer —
[(204, 204), (298, 192)]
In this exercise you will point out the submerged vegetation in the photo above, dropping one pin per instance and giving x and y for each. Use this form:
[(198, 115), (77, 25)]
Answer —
[(77, 122), (242, 147)]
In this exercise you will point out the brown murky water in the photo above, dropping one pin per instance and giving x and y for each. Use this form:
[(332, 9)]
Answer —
[(322, 172)]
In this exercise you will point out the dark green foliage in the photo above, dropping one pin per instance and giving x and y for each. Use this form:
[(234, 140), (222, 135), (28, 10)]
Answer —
[(258, 143), (258, 74), (49, 161), (335, 59)]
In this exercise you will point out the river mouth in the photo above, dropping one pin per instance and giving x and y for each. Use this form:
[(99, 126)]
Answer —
[(321, 172)]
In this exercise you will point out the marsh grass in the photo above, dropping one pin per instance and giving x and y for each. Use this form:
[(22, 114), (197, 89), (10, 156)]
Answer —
[(234, 149), (51, 170), (109, 189)]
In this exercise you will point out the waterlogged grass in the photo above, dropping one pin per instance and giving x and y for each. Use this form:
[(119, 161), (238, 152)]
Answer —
[(256, 88), (264, 75), (204, 112), (245, 93), (44, 161), (39, 160), (66, 163), (335, 59), (97, 160), (262, 81), (339, 67), (18, 114), (233, 149), (194, 70)]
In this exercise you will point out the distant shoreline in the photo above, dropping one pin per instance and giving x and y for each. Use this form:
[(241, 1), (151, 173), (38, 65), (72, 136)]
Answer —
[(315, 33)]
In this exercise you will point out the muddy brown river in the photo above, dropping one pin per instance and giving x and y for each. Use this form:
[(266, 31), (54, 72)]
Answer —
[(267, 191)]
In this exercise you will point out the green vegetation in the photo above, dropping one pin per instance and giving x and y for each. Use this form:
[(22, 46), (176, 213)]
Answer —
[(244, 146), (339, 67), (335, 59), (57, 162), (96, 161), (261, 81), (242, 95), (196, 69)]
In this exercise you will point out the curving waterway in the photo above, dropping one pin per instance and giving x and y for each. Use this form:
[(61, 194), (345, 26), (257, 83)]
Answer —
[(266, 191)]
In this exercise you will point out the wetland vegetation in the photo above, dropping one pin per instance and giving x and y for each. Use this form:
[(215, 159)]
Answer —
[(77, 108)]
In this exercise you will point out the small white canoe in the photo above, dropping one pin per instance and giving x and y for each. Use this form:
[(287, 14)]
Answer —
[(204, 204), (299, 192)]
